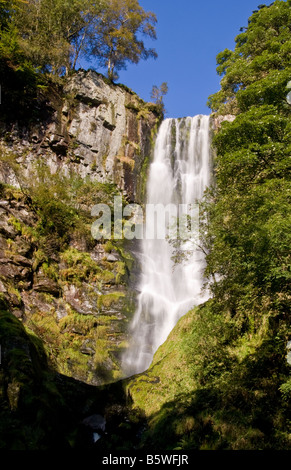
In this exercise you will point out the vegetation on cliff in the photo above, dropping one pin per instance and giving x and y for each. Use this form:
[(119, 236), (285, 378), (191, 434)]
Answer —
[(31, 404), (248, 211), (65, 287), (41, 409)]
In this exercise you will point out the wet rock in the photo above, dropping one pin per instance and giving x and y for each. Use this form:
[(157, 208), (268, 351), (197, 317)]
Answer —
[(11, 271), (37, 303), (217, 121), (113, 257), (289, 352), (3, 246), (59, 144), (61, 311), (95, 422), (88, 135), (98, 253), (19, 260), (88, 348), (43, 284), (7, 230), (79, 299), (14, 299), (79, 244), (18, 313), (3, 288), (96, 130), (23, 247), (13, 394)]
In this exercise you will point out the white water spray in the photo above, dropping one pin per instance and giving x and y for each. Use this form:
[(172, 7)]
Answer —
[(179, 174)]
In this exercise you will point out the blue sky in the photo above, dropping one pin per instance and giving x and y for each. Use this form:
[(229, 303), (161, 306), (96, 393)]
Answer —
[(190, 35)]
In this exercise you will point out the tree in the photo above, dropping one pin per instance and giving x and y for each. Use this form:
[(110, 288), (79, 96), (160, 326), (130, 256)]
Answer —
[(53, 34), (260, 52), (115, 38), (62, 24), (248, 212), (158, 93)]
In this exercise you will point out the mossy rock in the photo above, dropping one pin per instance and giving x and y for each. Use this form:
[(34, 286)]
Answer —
[(31, 404)]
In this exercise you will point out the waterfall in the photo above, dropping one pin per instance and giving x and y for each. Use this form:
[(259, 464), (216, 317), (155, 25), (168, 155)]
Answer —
[(179, 174)]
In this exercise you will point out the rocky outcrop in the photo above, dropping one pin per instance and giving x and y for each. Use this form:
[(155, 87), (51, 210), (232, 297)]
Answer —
[(217, 120), (76, 300), (70, 290), (96, 129)]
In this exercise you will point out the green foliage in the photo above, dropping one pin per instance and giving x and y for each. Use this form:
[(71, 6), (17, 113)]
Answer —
[(62, 24), (115, 39), (52, 201), (248, 212), (245, 227), (211, 388), (80, 266), (30, 402), (285, 389), (106, 30), (248, 237), (21, 84), (261, 55), (158, 94), (20, 80), (5, 5), (61, 203)]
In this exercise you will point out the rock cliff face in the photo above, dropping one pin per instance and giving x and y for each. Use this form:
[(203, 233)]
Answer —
[(76, 298), (74, 293), (96, 129), (217, 120)]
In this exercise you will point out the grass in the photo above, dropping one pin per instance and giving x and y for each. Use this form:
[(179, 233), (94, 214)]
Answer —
[(168, 376), (210, 387), (109, 300)]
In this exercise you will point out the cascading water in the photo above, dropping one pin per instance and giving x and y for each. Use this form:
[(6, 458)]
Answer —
[(179, 174)]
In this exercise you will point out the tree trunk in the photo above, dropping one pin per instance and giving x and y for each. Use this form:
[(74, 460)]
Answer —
[(78, 49), (109, 68)]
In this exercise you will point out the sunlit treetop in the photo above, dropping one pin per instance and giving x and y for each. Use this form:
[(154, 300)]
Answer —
[(263, 50), (54, 34)]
